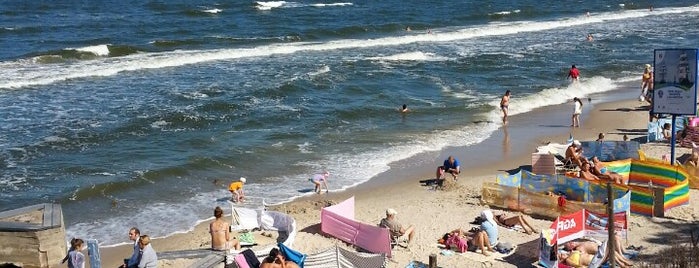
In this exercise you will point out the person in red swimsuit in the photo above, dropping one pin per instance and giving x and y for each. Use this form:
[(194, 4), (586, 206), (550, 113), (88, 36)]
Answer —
[(574, 73)]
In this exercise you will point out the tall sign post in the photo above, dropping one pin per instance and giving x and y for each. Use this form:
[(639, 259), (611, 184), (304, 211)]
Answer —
[(675, 86)]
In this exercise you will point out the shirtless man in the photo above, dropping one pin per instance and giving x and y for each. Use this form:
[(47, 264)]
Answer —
[(504, 106), (573, 153), (586, 174)]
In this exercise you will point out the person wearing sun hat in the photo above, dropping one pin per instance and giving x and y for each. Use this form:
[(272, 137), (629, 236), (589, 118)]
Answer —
[(398, 232), (236, 189)]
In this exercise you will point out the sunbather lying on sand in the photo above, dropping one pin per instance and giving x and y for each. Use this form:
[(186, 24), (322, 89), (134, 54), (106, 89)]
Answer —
[(597, 168), (461, 241), (579, 258), (512, 220)]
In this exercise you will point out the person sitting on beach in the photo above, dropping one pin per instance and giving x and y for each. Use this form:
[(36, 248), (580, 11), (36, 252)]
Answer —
[(574, 153), (597, 168), (585, 172), (460, 241), (404, 109), (236, 189), (513, 220), (600, 137), (667, 134), (588, 249), (490, 226), (276, 259), (452, 166), (135, 236), (220, 233), (398, 232), (319, 179), (148, 257), (76, 259), (693, 160)]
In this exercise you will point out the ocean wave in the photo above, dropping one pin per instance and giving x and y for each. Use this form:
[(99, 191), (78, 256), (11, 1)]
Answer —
[(553, 96), (283, 4), (20, 75), (99, 50), (411, 56), (504, 13), (83, 53)]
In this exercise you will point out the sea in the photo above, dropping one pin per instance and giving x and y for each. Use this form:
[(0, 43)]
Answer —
[(139, 113)]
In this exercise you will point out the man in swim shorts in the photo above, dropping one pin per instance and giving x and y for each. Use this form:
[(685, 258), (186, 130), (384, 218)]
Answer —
[(504, 106)]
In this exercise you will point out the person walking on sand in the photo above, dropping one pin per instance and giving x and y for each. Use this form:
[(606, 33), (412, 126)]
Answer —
[(76, 259), (646, 83), (574, 73), (319, 179), (236, 189), (504, 106), (576, 112)]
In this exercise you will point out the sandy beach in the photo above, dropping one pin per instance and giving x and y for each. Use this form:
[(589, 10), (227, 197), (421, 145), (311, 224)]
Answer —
[(436, 212)]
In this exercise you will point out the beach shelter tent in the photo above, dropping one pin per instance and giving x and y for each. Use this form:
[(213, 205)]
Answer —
[(574, 226)]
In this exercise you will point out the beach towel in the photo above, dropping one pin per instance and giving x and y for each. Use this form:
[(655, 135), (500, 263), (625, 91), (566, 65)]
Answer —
[(292, 255), (240, 261), (600, 257)]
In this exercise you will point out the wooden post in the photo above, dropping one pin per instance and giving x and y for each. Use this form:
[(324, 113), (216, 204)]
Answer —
[(433, 260), (610, 225)]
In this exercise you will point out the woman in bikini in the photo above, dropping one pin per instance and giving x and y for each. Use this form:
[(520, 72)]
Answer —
[(646, 83), (511, 221), (220, 235)]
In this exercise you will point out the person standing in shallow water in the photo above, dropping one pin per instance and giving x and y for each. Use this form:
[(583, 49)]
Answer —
[(504, 106), (574, 73)]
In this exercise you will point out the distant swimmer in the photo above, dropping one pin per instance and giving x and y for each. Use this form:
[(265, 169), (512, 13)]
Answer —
[(574, 73), (650, 8), (589, 37), (504, 106), (587, 13), (404, 109), (407, 29)]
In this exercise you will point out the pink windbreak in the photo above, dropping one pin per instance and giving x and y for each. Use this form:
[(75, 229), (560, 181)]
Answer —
[(338, 221)]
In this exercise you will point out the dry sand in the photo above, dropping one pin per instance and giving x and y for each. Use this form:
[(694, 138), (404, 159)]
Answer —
[(436, 212)]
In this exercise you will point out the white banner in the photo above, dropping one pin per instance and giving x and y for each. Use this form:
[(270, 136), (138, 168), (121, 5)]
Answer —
[(674, 82)]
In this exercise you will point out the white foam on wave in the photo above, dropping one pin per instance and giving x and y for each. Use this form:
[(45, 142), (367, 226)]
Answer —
[(553, 96), (155, 219), (320, 71), (212, 11), (99, 50), (22, 73), (269, 5), (411, 56), (505, 12), (331, 4)]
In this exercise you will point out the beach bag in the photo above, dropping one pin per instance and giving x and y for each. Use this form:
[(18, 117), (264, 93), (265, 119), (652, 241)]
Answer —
[(504, 247), (456, 243)]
